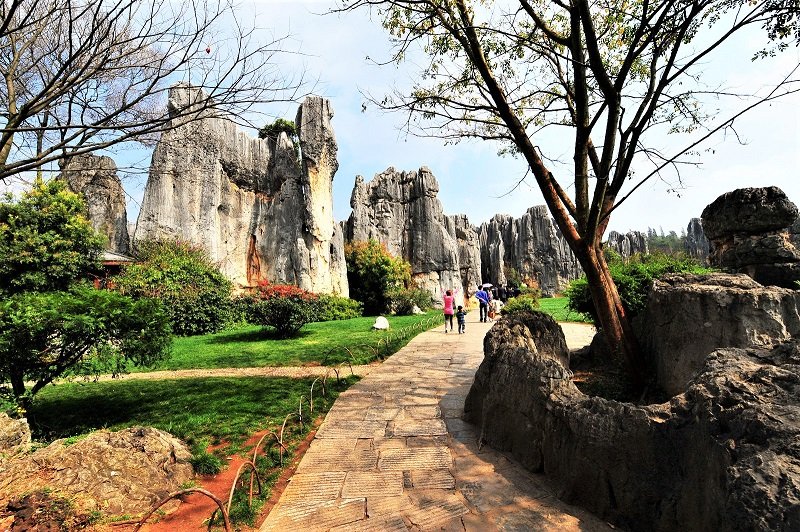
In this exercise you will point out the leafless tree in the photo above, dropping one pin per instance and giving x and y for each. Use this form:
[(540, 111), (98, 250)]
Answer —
[(85, 75), (612, 71)]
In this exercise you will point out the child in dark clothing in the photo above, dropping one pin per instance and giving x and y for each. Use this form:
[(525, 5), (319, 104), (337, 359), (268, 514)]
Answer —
[(462, 320)]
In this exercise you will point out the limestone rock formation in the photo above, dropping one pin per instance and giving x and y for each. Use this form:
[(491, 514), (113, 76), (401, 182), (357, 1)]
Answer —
[(629, 244), (95, 177), (469, 250), (697, 245), (117, 473), (689, 316), (260, 211), (721, 456), (15, 435), (749, 233), (532, 245), (401, 210)]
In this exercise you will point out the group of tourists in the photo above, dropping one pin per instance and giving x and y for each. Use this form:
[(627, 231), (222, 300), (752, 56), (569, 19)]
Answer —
[(490, 301)]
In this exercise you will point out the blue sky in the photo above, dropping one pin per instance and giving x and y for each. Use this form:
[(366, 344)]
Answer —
[(473, 180)]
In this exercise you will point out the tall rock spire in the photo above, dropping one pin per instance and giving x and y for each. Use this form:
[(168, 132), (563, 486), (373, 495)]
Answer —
[(262, 212)]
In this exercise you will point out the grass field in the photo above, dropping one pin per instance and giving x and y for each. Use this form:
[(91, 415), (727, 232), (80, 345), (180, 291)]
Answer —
[(557, 307), (212, 409), (317, 343)]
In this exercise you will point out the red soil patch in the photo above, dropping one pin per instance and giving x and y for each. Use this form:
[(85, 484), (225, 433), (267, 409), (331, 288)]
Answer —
[(195, 509)]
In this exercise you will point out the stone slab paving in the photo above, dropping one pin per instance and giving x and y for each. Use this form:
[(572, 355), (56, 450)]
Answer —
[(394, 455)]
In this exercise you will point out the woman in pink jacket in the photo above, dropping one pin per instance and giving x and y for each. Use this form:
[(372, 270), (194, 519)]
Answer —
[(449, 309)]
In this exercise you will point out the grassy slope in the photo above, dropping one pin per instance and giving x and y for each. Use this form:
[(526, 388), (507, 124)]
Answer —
[(249, 346)]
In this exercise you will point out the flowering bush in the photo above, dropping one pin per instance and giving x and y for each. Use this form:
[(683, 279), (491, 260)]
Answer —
[(267, 290), (285, 308)]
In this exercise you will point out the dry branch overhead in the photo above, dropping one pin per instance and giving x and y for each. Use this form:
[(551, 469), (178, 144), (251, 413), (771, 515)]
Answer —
[(80, 76)]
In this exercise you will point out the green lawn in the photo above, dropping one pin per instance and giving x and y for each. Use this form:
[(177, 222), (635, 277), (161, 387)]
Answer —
[(557, 307), (318, 343), (199, 411), (210, 409)]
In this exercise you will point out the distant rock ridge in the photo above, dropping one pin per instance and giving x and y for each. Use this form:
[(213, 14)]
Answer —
[(532, 245), (628, 244), (95, 178), (697, 245), (401, 210), (261, 213)]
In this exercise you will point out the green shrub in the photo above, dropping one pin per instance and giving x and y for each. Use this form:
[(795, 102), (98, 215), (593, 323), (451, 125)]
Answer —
[(286, 315), (522, 303), (181, 275), (403, 300), (633, 280), (332, 307), (46, 241), (205, 463), (276, 128), (285, 308), (373, 273)]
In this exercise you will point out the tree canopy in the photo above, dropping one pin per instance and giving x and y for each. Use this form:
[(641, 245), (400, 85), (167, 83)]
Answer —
[(46, 241), (46, 334), (373, 273), (51, 322), (611, 73)]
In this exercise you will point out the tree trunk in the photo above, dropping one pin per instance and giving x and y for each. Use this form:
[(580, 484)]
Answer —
[(18, 387), (614, 322)]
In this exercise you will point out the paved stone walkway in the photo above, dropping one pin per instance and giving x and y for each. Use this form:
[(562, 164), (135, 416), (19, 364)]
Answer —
[(393, 454)]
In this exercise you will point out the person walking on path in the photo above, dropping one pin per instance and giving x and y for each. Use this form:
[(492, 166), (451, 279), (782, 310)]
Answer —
[(449, 309), (462, 320), (483, 300)]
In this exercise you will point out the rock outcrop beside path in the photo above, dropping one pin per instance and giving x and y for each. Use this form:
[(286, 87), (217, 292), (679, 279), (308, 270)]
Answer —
[(116, 473), (689, 316), (750, 230), (720, 456)]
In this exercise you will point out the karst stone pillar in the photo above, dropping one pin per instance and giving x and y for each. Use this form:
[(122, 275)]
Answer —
[(262, 210), (95, 177)]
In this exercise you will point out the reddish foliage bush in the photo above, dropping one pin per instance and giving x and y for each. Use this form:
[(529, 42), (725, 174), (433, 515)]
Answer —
[(267, 290)]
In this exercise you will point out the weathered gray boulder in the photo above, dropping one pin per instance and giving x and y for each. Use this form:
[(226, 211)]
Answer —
[(532, 245), (749, 211), (401, 210), (116, 473), (696, 243), (95, 177), (750, 232), (260, 211), (15, 435), (629, 244), (721, 456), (689, 316)]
